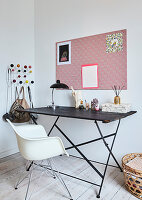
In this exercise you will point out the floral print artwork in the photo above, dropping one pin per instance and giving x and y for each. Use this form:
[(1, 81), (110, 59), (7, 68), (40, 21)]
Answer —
[(114, 42)]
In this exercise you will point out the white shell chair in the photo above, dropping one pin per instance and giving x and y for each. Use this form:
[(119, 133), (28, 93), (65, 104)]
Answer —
[(35, 145)]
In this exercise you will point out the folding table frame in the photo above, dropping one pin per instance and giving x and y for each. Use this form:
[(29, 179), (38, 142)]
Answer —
[(99, 116)]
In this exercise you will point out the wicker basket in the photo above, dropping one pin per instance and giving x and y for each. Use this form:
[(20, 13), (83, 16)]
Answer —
[(133, 177)]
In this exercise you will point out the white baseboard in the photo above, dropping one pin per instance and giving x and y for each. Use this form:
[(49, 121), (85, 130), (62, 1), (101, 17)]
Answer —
[(4, 153)]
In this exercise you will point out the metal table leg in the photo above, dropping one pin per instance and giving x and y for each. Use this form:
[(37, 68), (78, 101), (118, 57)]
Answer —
[(53, 126), (110, 154), (110, 149)]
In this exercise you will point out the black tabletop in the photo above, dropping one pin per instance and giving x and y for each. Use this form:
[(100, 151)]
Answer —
[(72, 112)]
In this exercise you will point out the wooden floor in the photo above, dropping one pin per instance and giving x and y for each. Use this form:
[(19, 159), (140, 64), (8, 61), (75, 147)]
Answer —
[(49, 189)]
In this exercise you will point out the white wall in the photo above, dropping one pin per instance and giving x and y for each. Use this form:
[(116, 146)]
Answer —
[(16, 46), (64, 20)]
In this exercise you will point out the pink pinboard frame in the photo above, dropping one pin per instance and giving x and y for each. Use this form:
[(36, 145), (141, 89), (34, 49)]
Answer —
[(89, 76)]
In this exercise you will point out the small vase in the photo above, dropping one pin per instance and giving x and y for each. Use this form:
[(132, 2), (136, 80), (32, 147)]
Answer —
[(117, 100)]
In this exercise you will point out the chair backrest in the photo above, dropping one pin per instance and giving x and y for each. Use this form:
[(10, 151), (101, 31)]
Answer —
[(20, 140), (38, 148), (28, 131), (12, 125)]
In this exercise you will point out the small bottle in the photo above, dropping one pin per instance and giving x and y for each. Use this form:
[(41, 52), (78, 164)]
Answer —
[(117, 100), (81, 105), (86, 105)]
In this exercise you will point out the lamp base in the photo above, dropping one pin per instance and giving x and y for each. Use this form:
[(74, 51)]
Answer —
[(53, 106)]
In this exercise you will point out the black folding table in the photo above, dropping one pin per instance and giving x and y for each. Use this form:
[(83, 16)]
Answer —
[(96, 116)]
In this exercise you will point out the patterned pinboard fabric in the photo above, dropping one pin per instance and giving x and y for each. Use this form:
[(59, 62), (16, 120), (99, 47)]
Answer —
[(114, 42), (108, 50)]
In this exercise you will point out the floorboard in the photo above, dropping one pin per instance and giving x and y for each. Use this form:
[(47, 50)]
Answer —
[(47, 188)]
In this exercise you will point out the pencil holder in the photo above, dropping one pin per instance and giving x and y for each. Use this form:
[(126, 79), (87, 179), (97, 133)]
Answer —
[(117, 100)]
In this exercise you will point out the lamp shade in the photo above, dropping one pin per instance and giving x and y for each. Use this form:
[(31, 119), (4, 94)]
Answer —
[(59, 85)]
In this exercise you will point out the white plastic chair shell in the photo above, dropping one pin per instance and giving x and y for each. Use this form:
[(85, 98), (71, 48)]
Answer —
[(34, 144)]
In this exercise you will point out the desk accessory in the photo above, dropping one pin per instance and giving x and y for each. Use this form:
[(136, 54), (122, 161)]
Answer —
[(95, 104), (81, 106), (118, 108), (86, 105), (117, 91), (77, 94), (57, 85)]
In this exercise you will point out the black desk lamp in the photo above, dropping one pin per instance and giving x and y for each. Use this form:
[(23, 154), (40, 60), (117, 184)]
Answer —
[(57, 85)]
